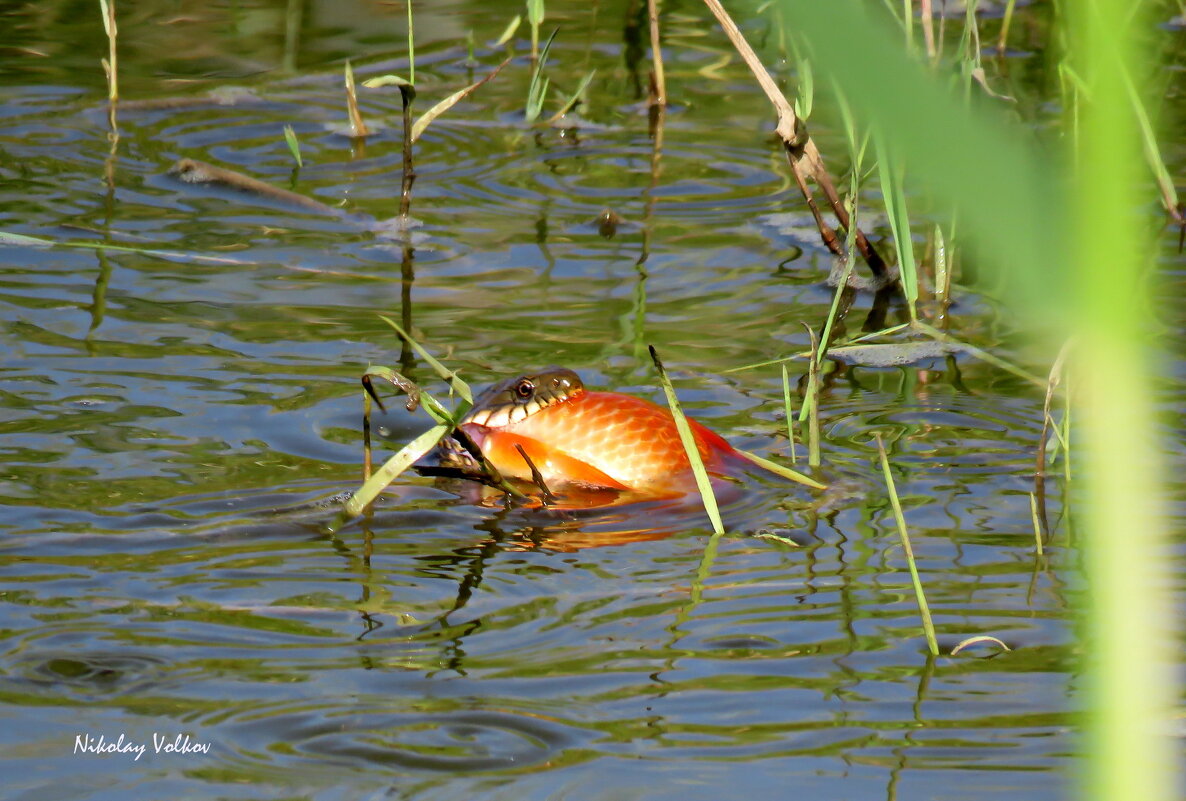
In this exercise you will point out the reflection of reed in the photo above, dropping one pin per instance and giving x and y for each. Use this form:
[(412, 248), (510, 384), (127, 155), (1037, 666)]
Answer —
[(407, 359)]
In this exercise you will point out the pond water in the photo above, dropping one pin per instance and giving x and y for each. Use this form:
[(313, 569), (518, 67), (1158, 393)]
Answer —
[(177, 417)]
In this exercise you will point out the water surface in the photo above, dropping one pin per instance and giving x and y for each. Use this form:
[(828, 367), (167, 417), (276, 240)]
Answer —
[(173, 424)]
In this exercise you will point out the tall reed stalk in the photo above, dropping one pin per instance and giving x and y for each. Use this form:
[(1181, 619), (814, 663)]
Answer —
[(1061, 235)]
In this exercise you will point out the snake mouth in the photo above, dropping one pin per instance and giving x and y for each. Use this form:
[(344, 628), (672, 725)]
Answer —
[(500, 406), (516, 399)]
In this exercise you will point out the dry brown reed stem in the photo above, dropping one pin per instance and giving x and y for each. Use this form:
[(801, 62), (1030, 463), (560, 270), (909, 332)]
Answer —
[(802, 154), (660, 83), (1040, 467)]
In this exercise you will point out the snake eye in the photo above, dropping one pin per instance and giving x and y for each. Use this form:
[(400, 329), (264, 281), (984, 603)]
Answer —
[(525, 388)]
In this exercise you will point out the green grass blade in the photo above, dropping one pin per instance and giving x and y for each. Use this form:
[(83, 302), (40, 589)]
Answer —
[(924, 610), (807, 354), (1130, 625), (781, 470), (411, 47), (440, 108), (574, 98), (685, 435), (983, 355), (436, 410), (459, 386), (1165, 181), (294, 147), (1037, 524), (392, 468), (790, 412), (537, 90), (891, 171)]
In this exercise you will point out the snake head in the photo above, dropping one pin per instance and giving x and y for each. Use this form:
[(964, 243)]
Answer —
[(514, 399)]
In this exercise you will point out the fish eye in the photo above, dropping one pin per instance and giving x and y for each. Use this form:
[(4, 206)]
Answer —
[(525, 388)]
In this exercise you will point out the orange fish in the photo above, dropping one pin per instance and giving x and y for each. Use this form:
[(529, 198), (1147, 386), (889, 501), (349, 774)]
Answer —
[(601, 440)]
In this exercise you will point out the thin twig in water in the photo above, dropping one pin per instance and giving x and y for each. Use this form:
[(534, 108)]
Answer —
[(660, 82), (496, 478), (536, 476)]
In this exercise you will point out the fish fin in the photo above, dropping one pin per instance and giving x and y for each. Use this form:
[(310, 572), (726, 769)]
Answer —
[(499, 447)]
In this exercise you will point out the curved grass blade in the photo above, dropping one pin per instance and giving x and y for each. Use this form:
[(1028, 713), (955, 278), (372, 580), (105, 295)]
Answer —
[(977, 640), (459, 386), (392, 468), (781, 470), (689, 442), (416, 395), (807, 354), (574, 98), (892, 171), (537, 90), (440, 108), (972, 350), (385, 80), (924, 610)]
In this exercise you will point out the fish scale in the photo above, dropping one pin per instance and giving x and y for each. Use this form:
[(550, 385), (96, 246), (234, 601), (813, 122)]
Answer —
[(602, 439)]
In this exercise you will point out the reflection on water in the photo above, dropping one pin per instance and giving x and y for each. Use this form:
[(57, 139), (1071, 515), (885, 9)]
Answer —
[(174, 424)]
